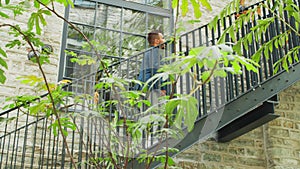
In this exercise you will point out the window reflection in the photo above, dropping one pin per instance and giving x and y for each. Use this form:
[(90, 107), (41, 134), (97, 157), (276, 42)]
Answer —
[(134, 21), (75, 70), (156, 22), (109, 41), (108, 16), (118, 30), (82, 15), (158, 3), (75, 40), (132, 44)]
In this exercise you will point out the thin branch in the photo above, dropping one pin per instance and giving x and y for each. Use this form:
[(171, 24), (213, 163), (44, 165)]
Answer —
[(27, 39), (206, 80)]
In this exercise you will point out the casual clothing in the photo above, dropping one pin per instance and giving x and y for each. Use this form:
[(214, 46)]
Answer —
[(150, 64)]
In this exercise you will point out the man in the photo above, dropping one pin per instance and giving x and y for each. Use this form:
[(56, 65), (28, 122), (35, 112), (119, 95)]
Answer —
[(152, 61)]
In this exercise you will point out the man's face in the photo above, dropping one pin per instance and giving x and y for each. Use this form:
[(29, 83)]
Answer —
[(160, 40)]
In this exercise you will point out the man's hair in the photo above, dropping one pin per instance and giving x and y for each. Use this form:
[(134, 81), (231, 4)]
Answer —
[(152, 36)]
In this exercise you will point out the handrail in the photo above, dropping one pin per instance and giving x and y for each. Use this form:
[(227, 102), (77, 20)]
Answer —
[(212, 95)]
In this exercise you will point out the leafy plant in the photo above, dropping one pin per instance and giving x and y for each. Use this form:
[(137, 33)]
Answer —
[(173, 113)]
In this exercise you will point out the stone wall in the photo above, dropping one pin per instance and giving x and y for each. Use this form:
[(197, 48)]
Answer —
[(275, 145), (19, 65)]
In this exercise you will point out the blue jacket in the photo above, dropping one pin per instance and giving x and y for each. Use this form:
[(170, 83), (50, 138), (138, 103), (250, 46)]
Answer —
[(150, 64)]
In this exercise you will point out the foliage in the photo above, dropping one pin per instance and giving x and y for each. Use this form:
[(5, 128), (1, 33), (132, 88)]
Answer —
[(277, 12), (196, 6), (216, 61), (4, 65)]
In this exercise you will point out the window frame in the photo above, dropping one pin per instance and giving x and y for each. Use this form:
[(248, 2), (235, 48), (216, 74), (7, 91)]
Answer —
[(147, 9)]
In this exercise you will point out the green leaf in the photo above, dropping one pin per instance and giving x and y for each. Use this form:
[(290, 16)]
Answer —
[(184, 7), (196, 51), (257, 55), (3, 53), (171, 161), (220, 73), (3, 63), (37, 26), (30, 79), (206, 4), (30, 22), (13, 43), (238, 47), (205, 76), (266, 52), (213, 23), (191, 112), (290, 59), (276, 43), (36, 109), (271, 47), (236, 66), (232, 34), (36, 4), (43, 21), (174, 4), (47, 12), (66, 2), (196, 6), (2, 77), (250, 38), (4, 15), (170, 107), (245, 44)]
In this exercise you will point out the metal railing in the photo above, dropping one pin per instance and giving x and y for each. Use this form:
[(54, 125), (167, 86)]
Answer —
[(28, 142)]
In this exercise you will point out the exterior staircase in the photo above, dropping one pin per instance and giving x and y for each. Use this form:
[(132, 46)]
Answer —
[(229, 107)]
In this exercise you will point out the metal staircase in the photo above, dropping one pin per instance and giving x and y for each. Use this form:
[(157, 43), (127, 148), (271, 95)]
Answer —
[(229, 107)]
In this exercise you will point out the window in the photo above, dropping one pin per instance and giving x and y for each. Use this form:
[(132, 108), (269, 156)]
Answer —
[(119, 28)]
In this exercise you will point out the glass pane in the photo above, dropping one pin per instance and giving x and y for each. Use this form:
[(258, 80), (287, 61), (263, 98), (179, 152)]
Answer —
[(84, 3), (134, 21), (108, 17), (74, 70), (75, 40), (82, 15), (132, 44), (158, 3), (109, 42), (156, 22)]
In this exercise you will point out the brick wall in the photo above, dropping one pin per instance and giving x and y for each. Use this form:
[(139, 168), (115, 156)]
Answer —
[(275, 145)]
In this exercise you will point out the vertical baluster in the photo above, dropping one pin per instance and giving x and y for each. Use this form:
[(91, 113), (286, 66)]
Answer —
[(224, 81), (187, 76), (4, 141), (204, 87), (42, 144), (181, 52), (198, 72), (13, 156), (251, 50)]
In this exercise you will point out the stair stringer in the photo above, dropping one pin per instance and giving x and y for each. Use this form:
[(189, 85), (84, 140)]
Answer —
[(205, 127), (261, 93)]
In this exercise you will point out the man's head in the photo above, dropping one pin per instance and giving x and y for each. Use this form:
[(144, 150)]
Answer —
[(155, 38)]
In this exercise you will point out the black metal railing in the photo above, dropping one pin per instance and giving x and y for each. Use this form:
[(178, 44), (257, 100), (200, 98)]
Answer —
[(28, 142)]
